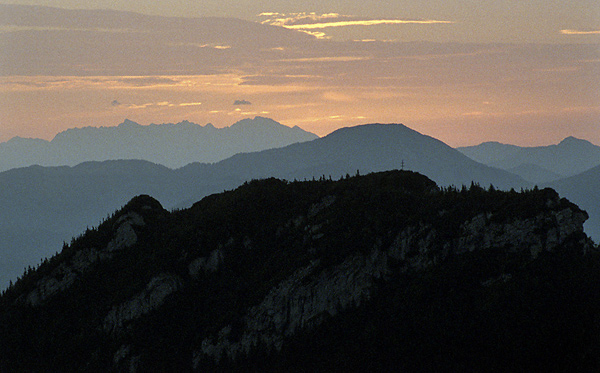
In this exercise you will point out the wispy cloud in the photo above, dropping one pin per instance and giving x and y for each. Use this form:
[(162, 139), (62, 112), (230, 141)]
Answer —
[(580, 32), (151, 105), (370, 22), (309, 21), (161, 104), (326, 59), (200, 45)]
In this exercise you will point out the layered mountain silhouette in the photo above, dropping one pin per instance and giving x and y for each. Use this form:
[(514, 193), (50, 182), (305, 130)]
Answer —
[(541, 163), (44, 206), (379, 272), (171, 145)]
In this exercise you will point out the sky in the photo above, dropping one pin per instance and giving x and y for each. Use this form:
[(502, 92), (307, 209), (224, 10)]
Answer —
[(465, 72)]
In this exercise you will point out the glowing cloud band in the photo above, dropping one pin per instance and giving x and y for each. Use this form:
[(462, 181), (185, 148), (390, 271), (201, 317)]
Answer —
[(577, 32), (363, 23)]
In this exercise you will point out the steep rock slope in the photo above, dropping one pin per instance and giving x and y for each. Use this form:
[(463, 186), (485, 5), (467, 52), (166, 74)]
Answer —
[(315, 275)]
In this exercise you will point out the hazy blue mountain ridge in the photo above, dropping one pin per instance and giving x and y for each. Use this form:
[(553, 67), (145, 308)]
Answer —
[(171, 145), (534, 173), (540, 163), (44, 206), (369, 148)]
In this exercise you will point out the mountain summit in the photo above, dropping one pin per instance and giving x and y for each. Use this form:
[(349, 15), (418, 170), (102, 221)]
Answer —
[(171, 145), (368, 148)]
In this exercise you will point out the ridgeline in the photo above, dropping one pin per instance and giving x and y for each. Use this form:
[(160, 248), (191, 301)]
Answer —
[(380, 272)]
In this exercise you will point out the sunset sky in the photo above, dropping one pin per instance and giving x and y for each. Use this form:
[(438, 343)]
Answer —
[(520, 72)]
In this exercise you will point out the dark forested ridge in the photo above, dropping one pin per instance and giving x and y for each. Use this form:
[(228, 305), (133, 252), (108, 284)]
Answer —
[(379, 272)]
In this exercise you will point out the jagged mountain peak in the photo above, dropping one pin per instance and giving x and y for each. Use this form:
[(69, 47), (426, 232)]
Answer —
[(173, 145)]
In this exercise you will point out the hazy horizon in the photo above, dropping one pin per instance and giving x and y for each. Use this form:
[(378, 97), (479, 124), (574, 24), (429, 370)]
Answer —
[(527, 74), (115, 125)]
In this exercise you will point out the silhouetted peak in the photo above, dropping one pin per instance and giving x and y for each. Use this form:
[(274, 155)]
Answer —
[(374, 129), (143, 204), (129, 123), (573, 141), (256, 121)]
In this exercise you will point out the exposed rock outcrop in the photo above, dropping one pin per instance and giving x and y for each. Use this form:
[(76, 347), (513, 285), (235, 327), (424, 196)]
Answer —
[(207, 264), (545, 231), (159, 288), (305, 299), (312, 294), (125, 235)]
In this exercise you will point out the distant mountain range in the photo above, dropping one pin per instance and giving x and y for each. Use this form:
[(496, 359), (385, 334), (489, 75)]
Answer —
[(44, 206), (171, 145), (541, 163)]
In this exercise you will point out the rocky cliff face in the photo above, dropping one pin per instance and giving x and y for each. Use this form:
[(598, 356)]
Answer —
[(313, 294), (255, 268), (302, 300)]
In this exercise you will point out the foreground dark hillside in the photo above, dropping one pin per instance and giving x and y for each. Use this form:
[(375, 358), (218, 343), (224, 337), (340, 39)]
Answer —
[(379, 272)]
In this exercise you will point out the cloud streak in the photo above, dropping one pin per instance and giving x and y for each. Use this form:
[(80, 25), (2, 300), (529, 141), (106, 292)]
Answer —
[(309, 21), (580, 32), (370, 22)]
